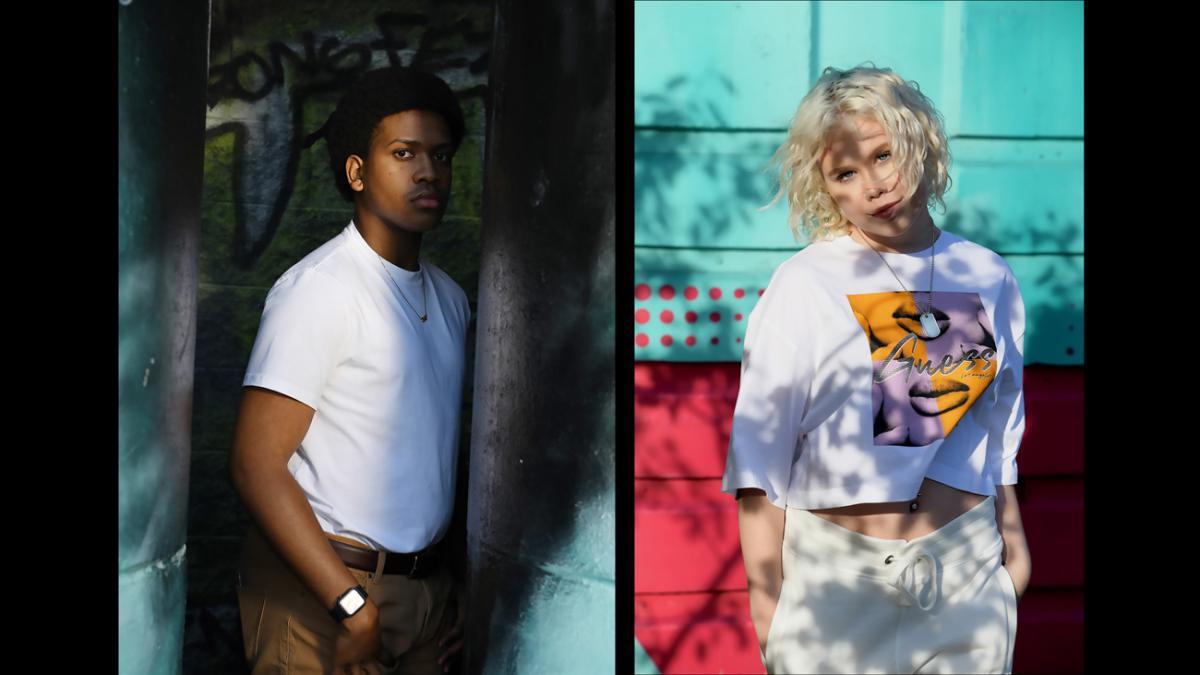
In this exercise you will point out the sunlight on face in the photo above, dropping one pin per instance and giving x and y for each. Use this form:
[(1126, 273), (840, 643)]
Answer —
[(862, 176)]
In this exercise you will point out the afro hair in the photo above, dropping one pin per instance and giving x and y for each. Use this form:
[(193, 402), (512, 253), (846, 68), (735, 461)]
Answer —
[(372, 97)]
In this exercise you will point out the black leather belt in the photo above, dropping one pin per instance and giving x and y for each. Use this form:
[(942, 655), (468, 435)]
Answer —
[(412, 565)]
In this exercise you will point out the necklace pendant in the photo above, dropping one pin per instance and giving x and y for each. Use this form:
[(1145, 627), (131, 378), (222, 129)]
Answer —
[(912, 507), (930, 325)]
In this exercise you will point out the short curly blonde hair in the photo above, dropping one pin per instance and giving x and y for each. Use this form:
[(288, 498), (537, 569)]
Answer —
[(915, 127)]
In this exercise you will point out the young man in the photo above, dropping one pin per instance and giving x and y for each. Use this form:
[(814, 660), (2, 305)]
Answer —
[(346, 441)]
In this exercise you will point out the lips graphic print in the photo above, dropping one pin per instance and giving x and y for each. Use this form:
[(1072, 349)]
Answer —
[(922, 387)]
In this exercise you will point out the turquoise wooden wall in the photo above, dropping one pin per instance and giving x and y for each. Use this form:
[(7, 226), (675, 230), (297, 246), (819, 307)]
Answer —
[(716, 83)]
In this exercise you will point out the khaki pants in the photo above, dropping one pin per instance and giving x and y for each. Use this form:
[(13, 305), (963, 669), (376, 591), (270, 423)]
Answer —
[(850, 603), (286, 630)]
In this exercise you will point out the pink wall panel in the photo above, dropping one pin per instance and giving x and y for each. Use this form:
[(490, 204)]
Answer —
[(1053, 443), (1052, 512), (690, 608), (698, 632), (683, 413), (685, 537), (682, 416)]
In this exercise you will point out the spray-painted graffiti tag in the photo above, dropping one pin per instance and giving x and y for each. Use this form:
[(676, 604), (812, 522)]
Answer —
[(261, 101)]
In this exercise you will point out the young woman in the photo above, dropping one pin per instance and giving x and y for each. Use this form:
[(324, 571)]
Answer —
[(874, 442)]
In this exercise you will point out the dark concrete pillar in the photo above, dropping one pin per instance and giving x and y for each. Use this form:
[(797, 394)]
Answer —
[(540, 520), (162, 70)]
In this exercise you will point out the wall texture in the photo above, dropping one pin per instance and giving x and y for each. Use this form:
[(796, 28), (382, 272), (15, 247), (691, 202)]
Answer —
[(540, 526), (161, 67), (277, 70), (716, 84)]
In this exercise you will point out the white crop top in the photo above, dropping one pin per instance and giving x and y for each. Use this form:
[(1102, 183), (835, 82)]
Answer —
[(843, 401)]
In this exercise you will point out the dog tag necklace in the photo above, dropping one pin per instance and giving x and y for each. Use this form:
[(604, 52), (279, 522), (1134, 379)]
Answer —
[(929, 324)]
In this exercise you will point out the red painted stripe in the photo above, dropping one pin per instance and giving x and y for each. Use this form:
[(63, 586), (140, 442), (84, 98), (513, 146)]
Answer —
[(1052, 513), (683, 413), (686, 535), (690, 611), (698, 632), (685, 538)]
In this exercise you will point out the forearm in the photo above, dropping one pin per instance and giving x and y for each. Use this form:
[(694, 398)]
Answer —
[(279, 508), (760, 527)]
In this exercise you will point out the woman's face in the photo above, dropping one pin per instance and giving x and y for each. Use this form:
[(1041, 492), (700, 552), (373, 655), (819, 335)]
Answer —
[(863, 178)]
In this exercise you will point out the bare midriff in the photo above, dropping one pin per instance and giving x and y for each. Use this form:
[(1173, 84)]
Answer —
[(938, 505)]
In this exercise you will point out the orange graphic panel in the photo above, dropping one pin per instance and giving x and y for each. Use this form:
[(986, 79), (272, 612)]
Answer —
[(924, 384)]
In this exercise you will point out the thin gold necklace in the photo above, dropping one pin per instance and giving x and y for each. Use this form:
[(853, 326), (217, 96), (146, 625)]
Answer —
[(424, 299)]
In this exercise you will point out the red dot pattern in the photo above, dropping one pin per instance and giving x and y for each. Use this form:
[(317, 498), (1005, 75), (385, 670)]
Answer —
[(644, 291)]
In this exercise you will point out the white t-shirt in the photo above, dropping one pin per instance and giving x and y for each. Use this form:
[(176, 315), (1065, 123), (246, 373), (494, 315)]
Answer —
[(844, 401), (378, 462)]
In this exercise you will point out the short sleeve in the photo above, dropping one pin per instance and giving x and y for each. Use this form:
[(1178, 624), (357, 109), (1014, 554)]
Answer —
[(767, 415), (303, 334), (1006, 423)]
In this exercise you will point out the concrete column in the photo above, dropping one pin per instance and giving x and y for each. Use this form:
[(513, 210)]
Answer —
[(162, 72), (540, 521)]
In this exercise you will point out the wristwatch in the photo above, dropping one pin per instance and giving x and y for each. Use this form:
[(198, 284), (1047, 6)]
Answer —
[(349, 603)]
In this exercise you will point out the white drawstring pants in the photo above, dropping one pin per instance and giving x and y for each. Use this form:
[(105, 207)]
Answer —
[(942, 603)]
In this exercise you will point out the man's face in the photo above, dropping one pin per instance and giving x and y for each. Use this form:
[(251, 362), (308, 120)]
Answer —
[(863, 177), (405, 180)]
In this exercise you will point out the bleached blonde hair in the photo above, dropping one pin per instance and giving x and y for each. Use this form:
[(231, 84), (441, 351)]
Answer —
[(915, 127)]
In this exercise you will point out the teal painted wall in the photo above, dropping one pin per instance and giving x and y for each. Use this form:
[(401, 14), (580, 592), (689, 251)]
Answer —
[(277, 70), (160, 75), (715, 84)]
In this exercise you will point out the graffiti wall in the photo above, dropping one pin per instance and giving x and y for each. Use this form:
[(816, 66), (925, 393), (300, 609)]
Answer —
[(275, 74)]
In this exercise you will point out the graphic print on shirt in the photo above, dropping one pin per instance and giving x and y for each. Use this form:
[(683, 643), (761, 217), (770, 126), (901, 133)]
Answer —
[(923, 386)]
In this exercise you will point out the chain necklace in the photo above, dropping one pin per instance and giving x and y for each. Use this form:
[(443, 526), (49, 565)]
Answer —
[(929, 324), (424, 299)]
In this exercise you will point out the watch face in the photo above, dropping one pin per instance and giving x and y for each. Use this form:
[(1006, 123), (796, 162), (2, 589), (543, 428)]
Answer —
[(352, 602)]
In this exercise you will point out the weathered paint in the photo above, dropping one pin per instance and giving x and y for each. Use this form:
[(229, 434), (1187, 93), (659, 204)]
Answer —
[(540, 521), (162, 56), (711, 110)]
